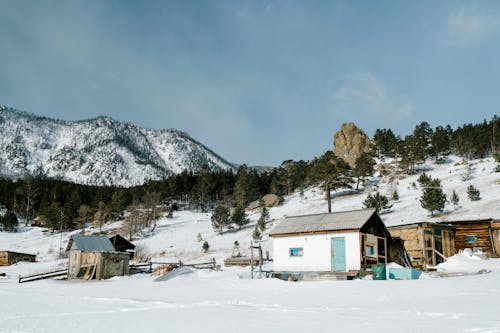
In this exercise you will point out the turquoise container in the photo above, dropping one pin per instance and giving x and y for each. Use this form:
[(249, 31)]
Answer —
[(404, 273), (379, 272)]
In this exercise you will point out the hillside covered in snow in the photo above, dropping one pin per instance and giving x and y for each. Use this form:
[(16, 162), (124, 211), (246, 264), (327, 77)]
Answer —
[(177, 238), (100, 151)]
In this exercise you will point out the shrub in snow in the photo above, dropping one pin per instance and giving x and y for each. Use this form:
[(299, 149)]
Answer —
[(205, 246), (473, 193), (199, 238), (497, 168), (395, 196), (141, 252)]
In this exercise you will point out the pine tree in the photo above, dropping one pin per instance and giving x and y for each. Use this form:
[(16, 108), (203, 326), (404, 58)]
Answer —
[(53, 216), (454, 199), (205, 247), (239, 216), (241, 186), (433, 199), (265, 213), (333, 172), (220, 218), (378, 201), (441, 143), (424, 179), (256, 235), (363, 168), (10, 221), (264, 217), (473, 193)]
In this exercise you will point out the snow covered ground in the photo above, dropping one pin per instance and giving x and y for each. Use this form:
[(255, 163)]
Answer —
[(207, 301), (228, 301)]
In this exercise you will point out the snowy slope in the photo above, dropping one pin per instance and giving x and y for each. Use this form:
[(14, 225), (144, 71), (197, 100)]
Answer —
[(100, 151), (177, 238)]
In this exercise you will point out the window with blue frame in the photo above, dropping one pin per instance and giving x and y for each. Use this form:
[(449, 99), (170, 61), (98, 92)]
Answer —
[(296, 252), (471, 239)]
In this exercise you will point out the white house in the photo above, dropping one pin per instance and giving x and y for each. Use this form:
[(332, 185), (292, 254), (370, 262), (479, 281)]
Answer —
[(348, 241)]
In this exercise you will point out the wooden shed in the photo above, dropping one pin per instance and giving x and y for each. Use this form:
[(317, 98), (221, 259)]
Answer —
[(427, 244), (94, 257), (482, 234), (8, 258), (342, 242)]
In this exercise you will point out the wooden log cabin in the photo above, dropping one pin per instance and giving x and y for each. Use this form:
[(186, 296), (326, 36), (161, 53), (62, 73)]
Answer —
[(427, 244), (8, 258), (481, 234)]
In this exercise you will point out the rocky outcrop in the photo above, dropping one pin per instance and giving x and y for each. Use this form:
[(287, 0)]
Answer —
[(350, 142), (270, 200)]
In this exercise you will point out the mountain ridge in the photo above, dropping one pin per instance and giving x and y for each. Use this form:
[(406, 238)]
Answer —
[(97, 151)]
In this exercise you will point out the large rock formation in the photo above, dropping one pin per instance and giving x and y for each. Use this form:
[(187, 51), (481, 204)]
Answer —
[(270, 200), (350, 142)]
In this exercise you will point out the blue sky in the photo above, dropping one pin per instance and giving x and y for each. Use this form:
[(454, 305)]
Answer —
[(259, 82)]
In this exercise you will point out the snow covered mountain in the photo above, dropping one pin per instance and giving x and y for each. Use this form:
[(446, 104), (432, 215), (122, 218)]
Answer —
[(100, 151)]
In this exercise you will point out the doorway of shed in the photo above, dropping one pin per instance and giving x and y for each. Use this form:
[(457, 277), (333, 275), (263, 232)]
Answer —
[(338, 254)]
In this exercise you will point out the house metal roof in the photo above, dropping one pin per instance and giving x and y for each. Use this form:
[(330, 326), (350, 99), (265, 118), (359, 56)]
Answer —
[(349, 220), (90, 243)]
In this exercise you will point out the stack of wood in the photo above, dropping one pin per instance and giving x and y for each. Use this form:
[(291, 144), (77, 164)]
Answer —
[(240, 261)]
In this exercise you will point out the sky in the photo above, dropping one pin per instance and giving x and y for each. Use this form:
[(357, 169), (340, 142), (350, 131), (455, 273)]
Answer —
[(258, 82)]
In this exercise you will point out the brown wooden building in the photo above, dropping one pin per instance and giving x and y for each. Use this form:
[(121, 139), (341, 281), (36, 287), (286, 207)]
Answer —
[(483, 234), (427, 244), (8, 258), (94, 257)]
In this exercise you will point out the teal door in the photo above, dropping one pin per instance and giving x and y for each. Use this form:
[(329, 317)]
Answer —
[(338, 254)]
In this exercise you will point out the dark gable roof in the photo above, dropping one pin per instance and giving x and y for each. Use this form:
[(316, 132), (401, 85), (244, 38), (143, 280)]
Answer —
[(349, 220), (121, 241), (90, 243)]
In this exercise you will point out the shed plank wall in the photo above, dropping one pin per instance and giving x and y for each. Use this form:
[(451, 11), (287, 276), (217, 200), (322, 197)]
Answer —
[(480, 229)]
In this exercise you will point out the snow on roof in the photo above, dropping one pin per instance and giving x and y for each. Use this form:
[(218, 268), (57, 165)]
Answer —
[(348, 220), (90, 243)]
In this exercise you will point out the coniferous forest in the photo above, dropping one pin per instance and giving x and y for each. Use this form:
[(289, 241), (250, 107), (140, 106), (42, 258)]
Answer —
[(65, 205)]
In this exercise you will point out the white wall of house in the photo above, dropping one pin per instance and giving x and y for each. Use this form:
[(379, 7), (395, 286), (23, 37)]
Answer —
[(317, 253)]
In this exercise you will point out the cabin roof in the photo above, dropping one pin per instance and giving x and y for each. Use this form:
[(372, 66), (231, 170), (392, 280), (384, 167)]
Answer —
[(469, 221), (442, 225), (120, 240), (348, 220), (14, 252), (90, 243)]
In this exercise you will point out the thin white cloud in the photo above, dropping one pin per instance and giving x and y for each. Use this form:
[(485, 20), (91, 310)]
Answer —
[(470, 25), (361, 96)]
